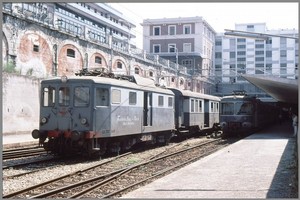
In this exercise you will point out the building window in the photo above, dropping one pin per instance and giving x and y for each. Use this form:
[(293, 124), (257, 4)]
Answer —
[(241, 53), (259, 59), (259, 46), (71, 53), (219, 43), (241, 40), (232, 54), (283, 41), (36, 48), (156, 30), (232, 43), (259, 65), (98, 60), (151, 74), (282, 53), (241, 59), (187, 29), (218, 67), (240, 66), (187, 47), (269, 41), (172, 48), (218, 55), (119, 65), (172, 30), (282, 65), (156, 48), (187, 63), (269, 54), (259, 52), (181, 82), (241, 46), (136, 70)]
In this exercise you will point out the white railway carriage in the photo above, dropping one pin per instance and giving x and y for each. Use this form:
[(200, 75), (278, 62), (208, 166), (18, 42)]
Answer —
[(99, 114), (195, 111)]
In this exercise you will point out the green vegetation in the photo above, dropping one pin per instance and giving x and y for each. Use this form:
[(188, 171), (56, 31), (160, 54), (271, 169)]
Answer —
[(9, 67), (29, 72)]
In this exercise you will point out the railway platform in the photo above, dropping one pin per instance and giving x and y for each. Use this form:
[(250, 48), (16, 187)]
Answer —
[(18, 140), (259, 166)]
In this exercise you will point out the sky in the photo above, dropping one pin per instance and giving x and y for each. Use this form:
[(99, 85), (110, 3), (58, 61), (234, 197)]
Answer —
[(220, 16)]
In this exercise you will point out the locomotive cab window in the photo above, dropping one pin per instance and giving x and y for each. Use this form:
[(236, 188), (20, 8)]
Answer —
[(160, 101), (64, 96), (200, 106), (192, 105), (170, 102), (197, 106), (244, 108), (48, 97), (227, 108), (116, 96), (132, 98), (81, 96), (214, 107), (102, 97)]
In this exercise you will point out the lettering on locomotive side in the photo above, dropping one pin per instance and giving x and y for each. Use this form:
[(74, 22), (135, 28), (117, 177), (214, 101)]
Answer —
[(128, 120), (105, 131)]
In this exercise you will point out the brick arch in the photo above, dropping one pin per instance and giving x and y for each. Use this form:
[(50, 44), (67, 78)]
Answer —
[(151, 71), (4, 50), (69, 65), (181, 83), (93, 64), (34, 53), (117, 70), (141, 71)]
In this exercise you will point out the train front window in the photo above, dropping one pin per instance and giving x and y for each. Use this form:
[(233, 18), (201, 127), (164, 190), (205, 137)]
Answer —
[(64, 96), (227, 108), (81, 96), (102, 96), (243, 108), (48, 96)]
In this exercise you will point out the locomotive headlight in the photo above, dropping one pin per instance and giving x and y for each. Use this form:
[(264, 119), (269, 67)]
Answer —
[(247, 124), (44, 120), (35, 134), (223, 124), (83, 121)]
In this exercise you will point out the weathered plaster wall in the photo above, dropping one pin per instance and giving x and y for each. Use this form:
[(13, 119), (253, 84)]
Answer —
[(20, 96)]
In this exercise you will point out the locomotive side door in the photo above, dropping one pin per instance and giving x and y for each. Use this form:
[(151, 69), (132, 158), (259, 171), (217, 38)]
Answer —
[(206, 113), (147, 111), (102, 111)]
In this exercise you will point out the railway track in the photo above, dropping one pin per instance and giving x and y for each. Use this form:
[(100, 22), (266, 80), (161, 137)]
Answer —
[(100, 181), (22, 152)]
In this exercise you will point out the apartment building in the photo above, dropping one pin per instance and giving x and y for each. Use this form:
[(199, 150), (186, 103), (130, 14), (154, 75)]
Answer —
[(187, 41), (268, 55)]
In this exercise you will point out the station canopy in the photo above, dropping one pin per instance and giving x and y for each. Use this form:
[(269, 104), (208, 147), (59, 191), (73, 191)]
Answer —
[(281, 89)]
